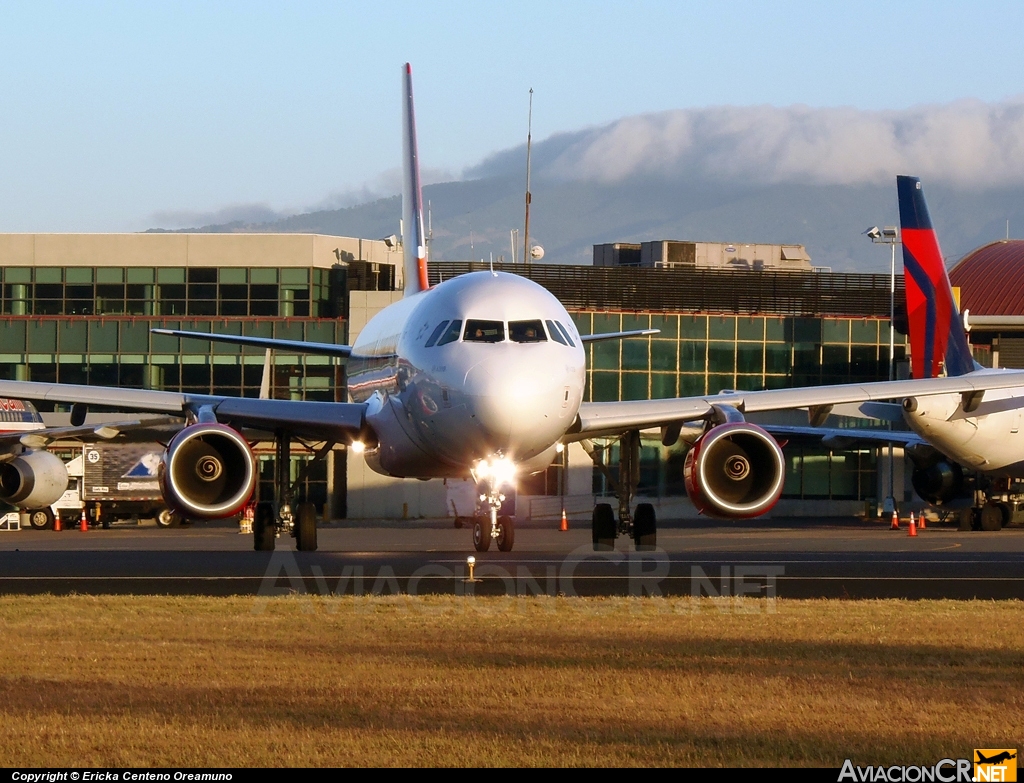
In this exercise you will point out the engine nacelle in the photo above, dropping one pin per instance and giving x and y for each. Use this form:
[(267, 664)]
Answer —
[(33, 480), (940, 483), (207, 472), (734, 471)]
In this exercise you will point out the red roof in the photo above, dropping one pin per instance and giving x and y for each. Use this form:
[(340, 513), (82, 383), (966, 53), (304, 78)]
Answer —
[(991, 279)]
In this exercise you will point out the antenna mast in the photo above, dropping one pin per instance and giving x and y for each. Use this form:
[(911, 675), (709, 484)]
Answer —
[(529, 140)]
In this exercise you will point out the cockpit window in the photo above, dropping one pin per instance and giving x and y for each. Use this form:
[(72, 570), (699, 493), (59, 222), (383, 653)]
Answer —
[(436, 333), (556, 333), (484, 332), (452, 333), (526, 332), (565, 331)]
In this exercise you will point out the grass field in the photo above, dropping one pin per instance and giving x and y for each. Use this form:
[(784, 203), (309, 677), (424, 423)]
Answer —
[(141, 681)]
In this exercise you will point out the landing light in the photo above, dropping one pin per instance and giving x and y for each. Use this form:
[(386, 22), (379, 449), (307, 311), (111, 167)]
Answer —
[(358, 447), (498, 470)]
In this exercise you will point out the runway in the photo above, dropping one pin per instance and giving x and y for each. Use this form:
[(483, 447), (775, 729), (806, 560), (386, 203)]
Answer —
[(784, 559)]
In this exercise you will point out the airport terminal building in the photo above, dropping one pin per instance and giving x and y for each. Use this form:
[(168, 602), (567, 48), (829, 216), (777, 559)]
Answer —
[(78, 308)]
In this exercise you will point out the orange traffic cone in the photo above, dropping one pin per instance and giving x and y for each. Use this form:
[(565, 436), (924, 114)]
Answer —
[(57, 527), (84, 524), (895, 521), (920, 524), (913, 526), (565, 522)]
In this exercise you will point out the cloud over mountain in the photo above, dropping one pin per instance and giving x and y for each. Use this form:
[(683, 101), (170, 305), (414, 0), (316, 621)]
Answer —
[(966, 143)]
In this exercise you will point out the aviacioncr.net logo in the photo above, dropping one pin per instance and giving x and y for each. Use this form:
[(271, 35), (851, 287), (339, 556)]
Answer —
[(995, 764), (944, 771)]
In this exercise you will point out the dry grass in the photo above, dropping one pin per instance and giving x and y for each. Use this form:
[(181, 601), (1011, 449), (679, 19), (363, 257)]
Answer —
[(448, 681)]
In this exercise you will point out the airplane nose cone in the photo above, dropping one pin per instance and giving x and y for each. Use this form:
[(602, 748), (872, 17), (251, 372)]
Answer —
[(511, 408), (492, 410)]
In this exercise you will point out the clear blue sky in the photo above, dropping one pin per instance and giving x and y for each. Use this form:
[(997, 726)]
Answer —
[(112, 112)]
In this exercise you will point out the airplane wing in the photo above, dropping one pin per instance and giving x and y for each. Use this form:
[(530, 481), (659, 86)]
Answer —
[(593, 338), (610, 418), (298, 346), (320, 420), (135, 430), (843, 437)]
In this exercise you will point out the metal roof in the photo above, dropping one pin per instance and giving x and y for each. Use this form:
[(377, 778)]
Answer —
[(991, 279)]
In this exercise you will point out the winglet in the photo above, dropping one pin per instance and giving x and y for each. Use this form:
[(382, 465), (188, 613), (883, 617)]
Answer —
[(936, 331), (414, 245)]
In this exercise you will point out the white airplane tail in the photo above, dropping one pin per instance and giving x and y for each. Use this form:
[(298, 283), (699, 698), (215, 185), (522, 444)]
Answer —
[(414, 243)]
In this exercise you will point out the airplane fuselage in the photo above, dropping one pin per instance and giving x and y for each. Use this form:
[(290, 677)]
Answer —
[(486, 364)]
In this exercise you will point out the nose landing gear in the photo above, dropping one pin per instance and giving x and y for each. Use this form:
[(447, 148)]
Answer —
[(488, 522)]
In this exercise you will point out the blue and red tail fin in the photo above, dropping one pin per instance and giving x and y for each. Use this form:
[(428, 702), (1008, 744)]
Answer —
[(414, 241), (936, 331)]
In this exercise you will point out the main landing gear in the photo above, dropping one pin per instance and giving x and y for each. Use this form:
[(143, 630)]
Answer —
[(998, 502), (991, 516), (272, 518), (641, 526)]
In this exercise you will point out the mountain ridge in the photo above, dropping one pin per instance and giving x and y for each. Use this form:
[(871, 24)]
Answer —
[(471, 219)]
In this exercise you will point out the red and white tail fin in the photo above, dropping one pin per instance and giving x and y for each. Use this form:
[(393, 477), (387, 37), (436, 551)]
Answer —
[(414, 240), (937, 334)]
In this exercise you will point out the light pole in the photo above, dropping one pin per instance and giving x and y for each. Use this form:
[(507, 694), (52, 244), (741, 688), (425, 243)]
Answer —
[(890, 235)]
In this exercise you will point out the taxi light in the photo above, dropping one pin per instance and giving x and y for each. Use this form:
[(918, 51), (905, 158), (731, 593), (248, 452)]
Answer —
[(499, 470)]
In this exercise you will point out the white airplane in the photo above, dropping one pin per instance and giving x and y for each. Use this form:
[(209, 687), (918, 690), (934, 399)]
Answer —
[(31, 478), (980, 430), (480, 376)]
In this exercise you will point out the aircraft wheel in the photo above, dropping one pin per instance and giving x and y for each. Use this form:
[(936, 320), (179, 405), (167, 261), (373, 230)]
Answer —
[(645, 528), (305, 528), (966, 519), (506, 533), (263, 528), (481, 534), (41, 518), (991, 517), (1007, 513), (167, 518), (603, 527)]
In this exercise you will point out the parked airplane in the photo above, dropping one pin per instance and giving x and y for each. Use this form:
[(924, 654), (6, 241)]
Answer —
[(20, 466), (31, 478), (979, 431), (966, 447), (480, 376)]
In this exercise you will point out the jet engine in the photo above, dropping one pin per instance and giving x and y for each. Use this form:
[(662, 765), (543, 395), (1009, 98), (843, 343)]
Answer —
[(207, 472), (940, 482), (34, 479), (735, 471)]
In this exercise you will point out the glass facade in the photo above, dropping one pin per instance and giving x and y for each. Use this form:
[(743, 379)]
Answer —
[(121, 351), (705, 354), (169, 291), (91, 325)]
